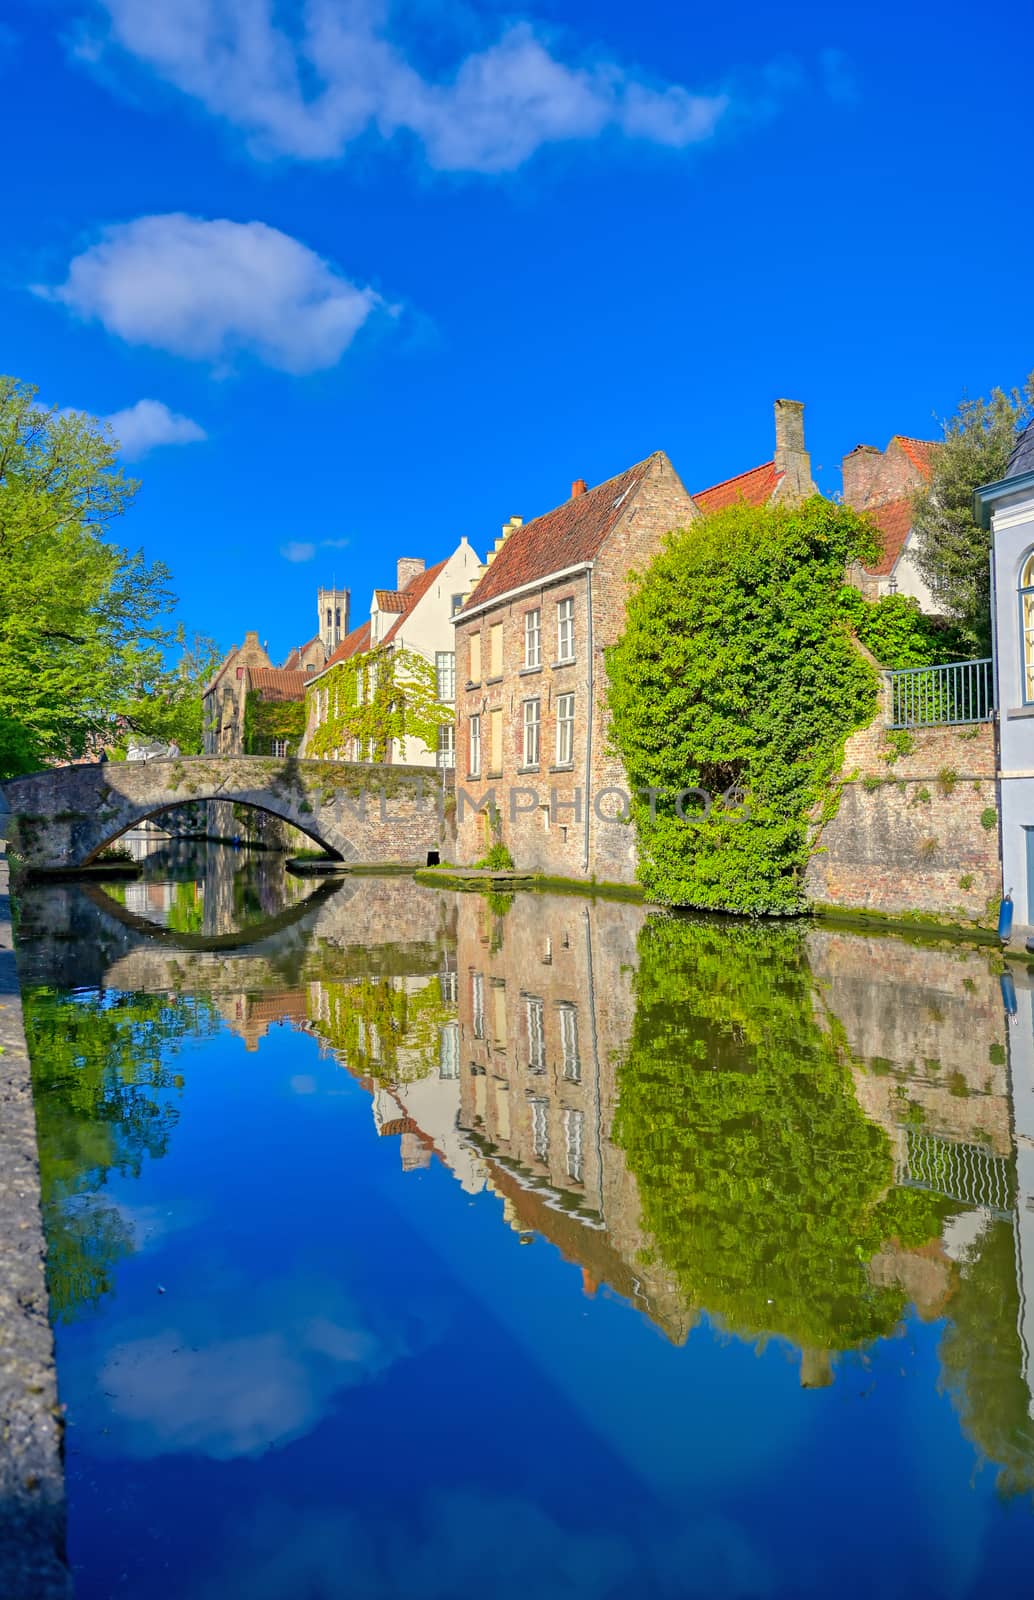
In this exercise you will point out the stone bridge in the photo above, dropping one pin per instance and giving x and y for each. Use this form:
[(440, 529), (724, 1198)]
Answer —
[(362, 814)]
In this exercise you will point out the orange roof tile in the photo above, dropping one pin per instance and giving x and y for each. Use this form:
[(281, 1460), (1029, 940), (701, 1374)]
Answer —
[(273, 683), (412, 594), (894, 520), (567, 536), (754, 488), (921, 452), (390, 599)]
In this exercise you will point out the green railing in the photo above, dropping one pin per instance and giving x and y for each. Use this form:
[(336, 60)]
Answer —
[(931, 697)]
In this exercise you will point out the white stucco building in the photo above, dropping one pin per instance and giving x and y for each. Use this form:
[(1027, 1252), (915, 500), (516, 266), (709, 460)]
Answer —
[(1007, 508)]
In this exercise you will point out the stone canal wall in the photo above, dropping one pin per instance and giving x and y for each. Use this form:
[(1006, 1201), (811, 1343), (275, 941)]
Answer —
[(32, 1494), (916, 829)]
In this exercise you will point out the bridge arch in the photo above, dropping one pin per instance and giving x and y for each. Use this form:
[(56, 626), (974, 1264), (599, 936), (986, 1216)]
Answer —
[(360, 814)]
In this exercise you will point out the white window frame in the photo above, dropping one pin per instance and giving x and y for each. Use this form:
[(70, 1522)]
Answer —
[(570, 1058), (531, 748), (574, 1142), (445, 755), (475, 746), (533, 637), (445, 675), (1026, 588), (565, 629), (565, 730), (477, 1003), (540, 1128), (535, 1012)]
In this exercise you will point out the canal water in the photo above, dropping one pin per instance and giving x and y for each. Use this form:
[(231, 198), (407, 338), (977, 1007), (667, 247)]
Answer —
[(406, 1243)]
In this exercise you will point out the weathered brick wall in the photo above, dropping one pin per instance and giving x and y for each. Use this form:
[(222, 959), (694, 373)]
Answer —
[(908, 834), (872, 477)]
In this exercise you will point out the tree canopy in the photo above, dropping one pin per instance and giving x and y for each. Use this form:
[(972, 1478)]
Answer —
[(737, 674), (952, 548), (83, 622)]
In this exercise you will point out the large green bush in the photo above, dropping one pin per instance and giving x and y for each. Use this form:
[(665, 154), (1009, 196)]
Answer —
[(737, 673)]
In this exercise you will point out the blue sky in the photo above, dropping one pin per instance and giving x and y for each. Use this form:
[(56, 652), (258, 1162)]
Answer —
[(392, 273)]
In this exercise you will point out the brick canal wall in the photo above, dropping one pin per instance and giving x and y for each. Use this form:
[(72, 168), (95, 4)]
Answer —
[(32, 1491), (910, 832)]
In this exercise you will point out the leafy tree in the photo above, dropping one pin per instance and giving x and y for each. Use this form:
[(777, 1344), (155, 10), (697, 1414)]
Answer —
[(763, 1184), (172, 712), (81, 635), (898, 634), (737, 674), (951, 547)]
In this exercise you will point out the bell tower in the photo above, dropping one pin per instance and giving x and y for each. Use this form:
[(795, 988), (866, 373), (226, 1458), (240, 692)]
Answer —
[(332, 611)]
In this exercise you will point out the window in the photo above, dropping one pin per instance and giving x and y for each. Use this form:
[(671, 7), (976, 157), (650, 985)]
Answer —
[(449, 1051), (328, 616), (1027, 627), (475, 658), (337, 616), (457, 603), (565, 630), (474, 758), (533, 638), (535, 1014), (495, 725), (564, 730), (495, 651), (540, 1128), (477, 1003), (445, 756), (574, 1133), (572, 1066), (445, 668), (279, 747), (532, 724)]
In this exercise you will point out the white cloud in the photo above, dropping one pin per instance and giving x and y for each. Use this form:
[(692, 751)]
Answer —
[(148, 424), (310, 93), (297, 550), (334, 544), (212, 289)]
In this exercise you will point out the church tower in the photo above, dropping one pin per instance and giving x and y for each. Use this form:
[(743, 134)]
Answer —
[(332, 610)]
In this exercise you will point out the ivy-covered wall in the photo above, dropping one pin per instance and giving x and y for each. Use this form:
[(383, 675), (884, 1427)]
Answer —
[(372, 700), (268, 720)]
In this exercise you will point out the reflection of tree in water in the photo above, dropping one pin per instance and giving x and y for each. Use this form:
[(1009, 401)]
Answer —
[(103, 1091), (982, 1362), (765, 1187)]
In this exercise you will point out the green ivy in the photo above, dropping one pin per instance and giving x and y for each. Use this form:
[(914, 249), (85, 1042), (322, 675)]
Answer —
[(374, 698), (737, 673), (266, 720), (898, 634)]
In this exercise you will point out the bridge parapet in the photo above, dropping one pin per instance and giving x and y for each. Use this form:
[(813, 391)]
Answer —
[(364, 814)]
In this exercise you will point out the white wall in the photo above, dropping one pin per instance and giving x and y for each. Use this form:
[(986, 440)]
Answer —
[(428, 628), (1013, 538)]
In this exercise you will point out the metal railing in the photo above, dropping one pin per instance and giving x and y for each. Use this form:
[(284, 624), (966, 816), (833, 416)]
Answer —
[(968, 1173), (931, 697)]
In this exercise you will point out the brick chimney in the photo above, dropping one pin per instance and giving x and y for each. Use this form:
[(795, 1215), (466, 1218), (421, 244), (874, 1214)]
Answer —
[(409, 567), (791, 458), (578, 487), (862, 469)]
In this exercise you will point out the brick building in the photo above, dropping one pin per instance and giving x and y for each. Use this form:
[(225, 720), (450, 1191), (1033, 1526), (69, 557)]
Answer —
[(530, 675), (532, 720), (883, 482)]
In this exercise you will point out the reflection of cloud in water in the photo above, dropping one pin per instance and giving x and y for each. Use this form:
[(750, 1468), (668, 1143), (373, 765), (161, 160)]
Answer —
[(497, 1547), (239, 1372)]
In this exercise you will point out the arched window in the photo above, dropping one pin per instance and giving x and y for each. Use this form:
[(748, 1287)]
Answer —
[(1027, 626)]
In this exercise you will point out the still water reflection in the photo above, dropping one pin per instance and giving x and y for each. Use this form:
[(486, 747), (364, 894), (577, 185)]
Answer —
[(771, 1336)]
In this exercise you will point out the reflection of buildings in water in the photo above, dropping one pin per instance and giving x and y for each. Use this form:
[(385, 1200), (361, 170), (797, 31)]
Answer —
[(546, 1007), (1021, 1060)]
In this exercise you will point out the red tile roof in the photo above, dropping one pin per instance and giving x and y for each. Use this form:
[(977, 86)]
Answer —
[(755, 488), (412, 594), (921, 452), (565, 537), (293, 662), (894, 520), (273, 683), (390, 599), (353, 644)]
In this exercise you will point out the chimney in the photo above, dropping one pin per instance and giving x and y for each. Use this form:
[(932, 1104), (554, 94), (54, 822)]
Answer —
[(409, 567), (578, 487), (791, 458), (861, 470)]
